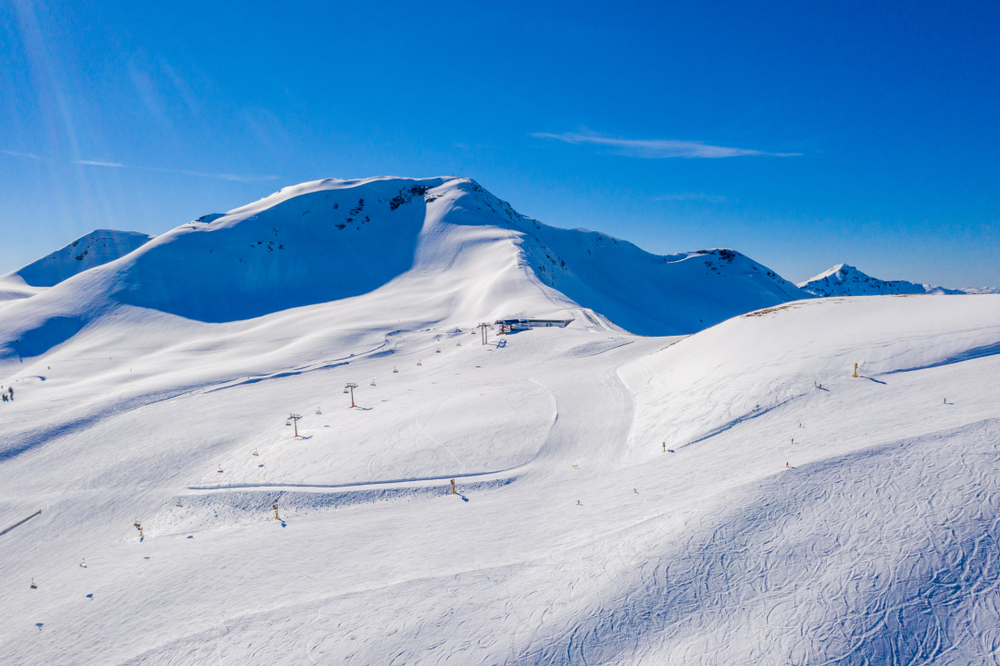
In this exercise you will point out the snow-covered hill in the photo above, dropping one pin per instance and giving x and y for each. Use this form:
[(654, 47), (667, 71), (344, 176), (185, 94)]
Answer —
[(95, 249), (844, 280)]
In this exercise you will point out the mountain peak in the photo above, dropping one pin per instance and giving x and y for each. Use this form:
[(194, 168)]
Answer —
[(94, 249), (846, 280), (430, 250)]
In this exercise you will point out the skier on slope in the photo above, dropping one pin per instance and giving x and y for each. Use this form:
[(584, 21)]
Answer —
[(11, 389)]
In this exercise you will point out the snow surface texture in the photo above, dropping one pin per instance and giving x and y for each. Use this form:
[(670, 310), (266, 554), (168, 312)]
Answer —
[(620, 499), (844, 280)]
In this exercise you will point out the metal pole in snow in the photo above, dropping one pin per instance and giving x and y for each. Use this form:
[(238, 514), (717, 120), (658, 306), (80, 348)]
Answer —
[(294, 418), (351, 386)]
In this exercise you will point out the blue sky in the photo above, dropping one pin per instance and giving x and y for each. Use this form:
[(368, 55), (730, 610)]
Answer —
[(801, 134)]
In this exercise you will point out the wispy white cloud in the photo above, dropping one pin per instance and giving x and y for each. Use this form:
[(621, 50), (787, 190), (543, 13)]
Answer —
[(691, 196), (656, 148), (182, 172), (118, 165), (100, 163), (218, 176), (30, 156)]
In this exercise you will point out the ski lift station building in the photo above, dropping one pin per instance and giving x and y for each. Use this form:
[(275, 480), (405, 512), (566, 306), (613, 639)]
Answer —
[(524, 324)]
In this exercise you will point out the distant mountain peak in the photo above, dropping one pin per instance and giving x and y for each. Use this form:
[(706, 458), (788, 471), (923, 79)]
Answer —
[(846, 280), (94, 249)]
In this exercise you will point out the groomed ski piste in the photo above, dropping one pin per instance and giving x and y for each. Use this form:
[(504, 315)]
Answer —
[(727, 496)]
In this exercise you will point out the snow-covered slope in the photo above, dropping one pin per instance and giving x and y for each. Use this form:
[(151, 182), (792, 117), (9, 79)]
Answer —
[(95, 249), (641, 292), (13, 288), (844, 280), (575, 535)]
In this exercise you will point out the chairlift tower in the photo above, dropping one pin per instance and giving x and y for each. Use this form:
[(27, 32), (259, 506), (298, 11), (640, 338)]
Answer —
[(293, 420), (350, 387), (484, 330)]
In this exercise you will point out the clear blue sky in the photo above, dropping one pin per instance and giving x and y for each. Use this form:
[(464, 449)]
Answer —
[(801, 134)]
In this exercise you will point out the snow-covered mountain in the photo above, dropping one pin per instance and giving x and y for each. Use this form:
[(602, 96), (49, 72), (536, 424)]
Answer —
[(555, 496), (461, 254), (844, 280), (95, 249)]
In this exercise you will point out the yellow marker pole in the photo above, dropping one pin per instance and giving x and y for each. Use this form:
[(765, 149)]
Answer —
[(453, 492), (855, 370), (275, 507)]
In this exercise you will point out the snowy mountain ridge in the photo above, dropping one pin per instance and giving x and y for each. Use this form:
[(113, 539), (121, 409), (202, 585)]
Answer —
[(845, 280), (446, 240), (94, 249), (318, 262)]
